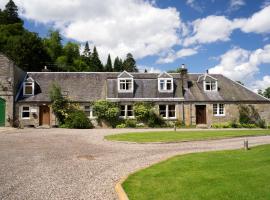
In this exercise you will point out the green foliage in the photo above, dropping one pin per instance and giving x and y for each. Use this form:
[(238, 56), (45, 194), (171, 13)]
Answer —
[(155, 120), (59, 103), (122, 125), (249, 115), (142, 110), (78, 119), (266, 93), (130, 123), (130, 63), (118, 65), (107, 111), (96, 64), (108, 66), (222, 125), (10, 14), (53, 45)]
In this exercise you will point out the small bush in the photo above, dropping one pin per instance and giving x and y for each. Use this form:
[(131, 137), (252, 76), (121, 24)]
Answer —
[(155, 120), (142, 111), (249, 125), (222, 125), (121, 126), (130, 123), (180, 124), (261, 123), (78, 119)]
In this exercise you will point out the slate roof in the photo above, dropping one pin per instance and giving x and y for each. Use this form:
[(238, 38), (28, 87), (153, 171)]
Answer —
[(86, 87)]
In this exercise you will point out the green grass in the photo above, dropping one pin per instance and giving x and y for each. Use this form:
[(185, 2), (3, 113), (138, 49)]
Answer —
[(223, 175), (178, 136)]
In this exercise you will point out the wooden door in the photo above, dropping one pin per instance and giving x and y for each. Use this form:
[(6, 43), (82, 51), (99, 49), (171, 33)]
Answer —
[(44, 115), (200, 114), (2, 112)]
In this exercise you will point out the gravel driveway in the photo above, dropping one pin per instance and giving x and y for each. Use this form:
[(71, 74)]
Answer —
[(79, 164)]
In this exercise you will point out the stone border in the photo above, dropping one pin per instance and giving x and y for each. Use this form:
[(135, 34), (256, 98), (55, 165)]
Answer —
[(120, 191)]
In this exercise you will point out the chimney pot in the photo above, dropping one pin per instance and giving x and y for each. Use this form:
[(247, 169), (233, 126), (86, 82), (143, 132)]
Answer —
[(207, 71), (183, 66)]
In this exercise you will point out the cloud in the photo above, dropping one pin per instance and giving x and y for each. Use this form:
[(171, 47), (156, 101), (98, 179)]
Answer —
[(242, 65), (210, 29), (172, 56), (114, 26), (261, 84), (193, 4), (219, 28), (236, 4), (259, 22)]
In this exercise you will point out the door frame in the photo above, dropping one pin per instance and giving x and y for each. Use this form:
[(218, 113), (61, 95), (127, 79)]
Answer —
[(41, 115), (205, 113), (4, 112)]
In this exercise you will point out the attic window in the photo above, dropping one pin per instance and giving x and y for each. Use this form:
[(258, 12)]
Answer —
[(165, 85), (28, 87), (125, 84), (210, 85)]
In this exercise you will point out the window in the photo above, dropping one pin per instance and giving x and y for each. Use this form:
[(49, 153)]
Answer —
[(25, 112), (126, 111), (165, 85), (88, 110), (167, 111), (125, 85), (218, 110), (210, 85), (28, 88)]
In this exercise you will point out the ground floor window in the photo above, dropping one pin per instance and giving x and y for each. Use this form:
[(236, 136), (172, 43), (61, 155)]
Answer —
[(25, 112), (88, 110), (218, 110), (167, 111), (126, 111)]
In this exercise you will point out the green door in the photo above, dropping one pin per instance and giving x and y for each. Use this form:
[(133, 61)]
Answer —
[(2, 112)]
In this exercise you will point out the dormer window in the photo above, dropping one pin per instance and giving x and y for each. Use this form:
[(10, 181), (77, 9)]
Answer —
[(210, 85), (28, 87), (125, 82), (165, 82), (165, 85)]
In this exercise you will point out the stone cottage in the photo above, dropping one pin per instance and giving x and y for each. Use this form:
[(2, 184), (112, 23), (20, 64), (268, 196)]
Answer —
[(196, 99)]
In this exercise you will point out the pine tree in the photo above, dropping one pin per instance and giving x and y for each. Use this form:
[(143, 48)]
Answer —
[(108, 66), (130, 63), (96, 64), (86, 52), (11, 12), (118, 65)]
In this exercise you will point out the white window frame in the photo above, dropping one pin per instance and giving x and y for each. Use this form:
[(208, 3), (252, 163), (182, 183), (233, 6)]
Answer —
[(90, 110), (126, 111), (124, 90), (210, 82), (33, 88), (218, 109), (167, 111), (165, 84), (22, 111)]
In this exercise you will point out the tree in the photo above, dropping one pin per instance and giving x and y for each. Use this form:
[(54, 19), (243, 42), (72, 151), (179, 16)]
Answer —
[(260, 92), (108, 66), (53, 45), (96, 64), (130, 63), (11, 13), (86, 51), (240, 82), (266, 93), (118, 65)]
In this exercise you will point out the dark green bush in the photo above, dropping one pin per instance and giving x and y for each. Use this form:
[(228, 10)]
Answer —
[(107, 111), (78, 119), (155, 120), (248, 115), (130, 123), (142, 110)]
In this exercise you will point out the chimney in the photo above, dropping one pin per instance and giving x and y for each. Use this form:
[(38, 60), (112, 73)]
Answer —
[(45, 69), (184, 76), (207, 71)]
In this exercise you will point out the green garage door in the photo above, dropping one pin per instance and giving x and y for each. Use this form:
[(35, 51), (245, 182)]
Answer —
[(2, 112)]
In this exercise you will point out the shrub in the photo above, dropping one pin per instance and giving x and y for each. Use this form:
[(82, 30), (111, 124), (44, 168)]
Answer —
[(130, 123), (121, 126), (222, 125), (107, 111), (249, 125), (155, 120), (142, 110), (180, 124), (249, 115), (78, 119)]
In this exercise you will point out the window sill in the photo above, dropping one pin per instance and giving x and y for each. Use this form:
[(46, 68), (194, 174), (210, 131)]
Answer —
[(125, 91), (165, 91), (220, 115)]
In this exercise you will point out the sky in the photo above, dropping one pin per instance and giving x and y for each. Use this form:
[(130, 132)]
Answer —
[(231, 37)]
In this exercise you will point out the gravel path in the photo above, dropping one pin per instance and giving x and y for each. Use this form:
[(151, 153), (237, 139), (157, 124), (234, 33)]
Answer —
[(79, 164)]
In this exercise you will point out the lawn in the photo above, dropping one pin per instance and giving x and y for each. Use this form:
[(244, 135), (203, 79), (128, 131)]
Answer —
[(178, 136), (223, 175)]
